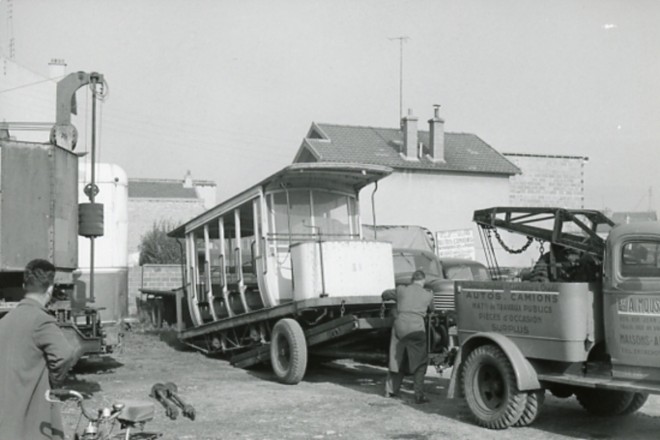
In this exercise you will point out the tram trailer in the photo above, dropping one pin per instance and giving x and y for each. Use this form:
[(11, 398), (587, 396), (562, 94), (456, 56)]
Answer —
[(281, 272)]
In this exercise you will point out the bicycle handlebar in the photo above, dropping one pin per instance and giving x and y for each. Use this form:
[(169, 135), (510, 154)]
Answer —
[(62, 395)]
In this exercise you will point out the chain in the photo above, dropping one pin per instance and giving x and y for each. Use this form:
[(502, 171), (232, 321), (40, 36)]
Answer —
[(541, 248), (530, 240), (382, 310), (342, 310)]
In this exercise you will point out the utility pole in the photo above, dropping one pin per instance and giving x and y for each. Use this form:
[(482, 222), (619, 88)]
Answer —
[(11, 52), (402, 39)]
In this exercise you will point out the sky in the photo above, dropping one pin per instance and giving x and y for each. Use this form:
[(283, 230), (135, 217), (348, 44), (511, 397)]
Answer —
[(228, 89)]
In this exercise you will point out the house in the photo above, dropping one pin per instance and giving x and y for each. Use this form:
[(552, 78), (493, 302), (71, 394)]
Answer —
[(152, 201), (439, 177)]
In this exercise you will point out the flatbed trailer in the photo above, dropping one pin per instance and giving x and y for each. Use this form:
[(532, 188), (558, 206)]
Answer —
[(281, 272)]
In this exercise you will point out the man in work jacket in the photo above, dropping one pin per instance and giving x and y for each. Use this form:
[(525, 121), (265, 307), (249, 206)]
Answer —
[(408, 346), (34, 355)]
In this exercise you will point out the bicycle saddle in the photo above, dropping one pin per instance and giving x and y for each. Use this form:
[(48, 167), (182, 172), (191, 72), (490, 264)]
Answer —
[(136, 412)]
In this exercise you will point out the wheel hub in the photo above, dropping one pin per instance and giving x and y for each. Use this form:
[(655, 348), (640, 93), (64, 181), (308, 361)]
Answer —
[(491, 387)]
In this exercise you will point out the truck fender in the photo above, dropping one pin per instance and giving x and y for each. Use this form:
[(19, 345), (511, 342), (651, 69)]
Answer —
[(526, 377)]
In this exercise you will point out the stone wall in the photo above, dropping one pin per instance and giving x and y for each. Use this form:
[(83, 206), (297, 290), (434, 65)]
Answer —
[(552, 181)]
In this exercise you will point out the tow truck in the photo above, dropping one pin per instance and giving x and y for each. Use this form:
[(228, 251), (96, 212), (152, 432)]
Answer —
[(590, 327)]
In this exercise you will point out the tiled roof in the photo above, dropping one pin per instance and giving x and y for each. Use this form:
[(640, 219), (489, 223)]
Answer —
[(464, 152), (159, 189)]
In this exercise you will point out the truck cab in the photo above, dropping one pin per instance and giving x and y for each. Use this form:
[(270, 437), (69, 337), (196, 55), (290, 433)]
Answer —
[(631, 301)]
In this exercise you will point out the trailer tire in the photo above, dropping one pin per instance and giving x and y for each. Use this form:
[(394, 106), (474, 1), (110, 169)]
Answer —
[(638, 401), (532, 410), (288, 351), (601, 402), (490, 388)]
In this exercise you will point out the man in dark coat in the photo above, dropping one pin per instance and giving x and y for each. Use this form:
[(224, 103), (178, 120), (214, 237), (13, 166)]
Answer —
[(408, 345), (35, 355)]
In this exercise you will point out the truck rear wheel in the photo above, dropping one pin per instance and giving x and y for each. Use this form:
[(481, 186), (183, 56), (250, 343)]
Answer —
[(533, 406), (288, 351), (490, 388), (605, 402), (638, 401)]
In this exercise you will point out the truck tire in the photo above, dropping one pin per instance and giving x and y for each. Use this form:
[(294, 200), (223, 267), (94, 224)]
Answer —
[(288, 351), (490, 388), (601, 402), (638, 401), (533, 406)]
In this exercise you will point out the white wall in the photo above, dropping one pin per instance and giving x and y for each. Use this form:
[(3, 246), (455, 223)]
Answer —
[(110, 251), (437, 201)]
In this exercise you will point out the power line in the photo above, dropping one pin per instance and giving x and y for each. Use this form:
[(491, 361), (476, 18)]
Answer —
[(30, 84), (10, 30)]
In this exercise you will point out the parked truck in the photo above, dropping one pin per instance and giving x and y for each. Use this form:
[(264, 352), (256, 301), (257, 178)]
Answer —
[(590, 327), (40, 217)]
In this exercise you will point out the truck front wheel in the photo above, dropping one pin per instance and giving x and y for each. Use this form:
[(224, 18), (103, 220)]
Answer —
[(605, 402), (490, 388), (288, 351)]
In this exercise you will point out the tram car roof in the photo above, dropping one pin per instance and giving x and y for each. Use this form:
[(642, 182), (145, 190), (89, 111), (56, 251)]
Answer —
[(322, 175)]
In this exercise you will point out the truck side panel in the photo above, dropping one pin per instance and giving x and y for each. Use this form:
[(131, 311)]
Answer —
[(554, 321), (27, 228)]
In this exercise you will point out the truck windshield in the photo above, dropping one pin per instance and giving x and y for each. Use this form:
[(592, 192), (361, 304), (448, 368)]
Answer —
[(640, 259), (410, 262), (467, 273)]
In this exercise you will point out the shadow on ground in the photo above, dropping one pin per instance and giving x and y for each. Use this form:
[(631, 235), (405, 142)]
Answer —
[(170, 338), (562, 417), (103, 365)]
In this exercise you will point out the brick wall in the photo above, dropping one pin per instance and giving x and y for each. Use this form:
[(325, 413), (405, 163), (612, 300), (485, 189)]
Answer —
[(151, 276), (143, 213), (161, 276), (547, 181)]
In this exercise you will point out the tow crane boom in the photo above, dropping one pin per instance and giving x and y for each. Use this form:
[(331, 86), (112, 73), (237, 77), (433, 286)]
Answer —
[(533, 222)]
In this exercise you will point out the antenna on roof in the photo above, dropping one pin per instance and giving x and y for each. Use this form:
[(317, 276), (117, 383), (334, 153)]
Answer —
[(402, 39)]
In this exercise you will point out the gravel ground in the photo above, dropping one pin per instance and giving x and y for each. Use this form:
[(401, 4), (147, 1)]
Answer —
[(336, 400)]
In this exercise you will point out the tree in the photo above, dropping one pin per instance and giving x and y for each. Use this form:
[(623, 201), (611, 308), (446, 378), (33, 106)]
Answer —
[(157, 248)]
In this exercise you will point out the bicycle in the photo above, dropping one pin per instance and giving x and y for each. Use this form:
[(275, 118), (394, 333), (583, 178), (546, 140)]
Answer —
[(130, 415)]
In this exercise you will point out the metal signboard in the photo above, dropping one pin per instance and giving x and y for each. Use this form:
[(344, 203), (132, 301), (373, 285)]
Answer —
[(457, 243)]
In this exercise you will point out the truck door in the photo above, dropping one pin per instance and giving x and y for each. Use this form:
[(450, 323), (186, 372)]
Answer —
[(632, 305)]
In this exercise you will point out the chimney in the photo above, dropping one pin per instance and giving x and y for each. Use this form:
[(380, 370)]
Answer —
[(437, 136), (409, 136), (56, 68), (187, 180)]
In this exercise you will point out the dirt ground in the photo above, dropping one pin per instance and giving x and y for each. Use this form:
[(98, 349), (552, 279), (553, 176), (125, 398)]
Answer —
[(335, 400)]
